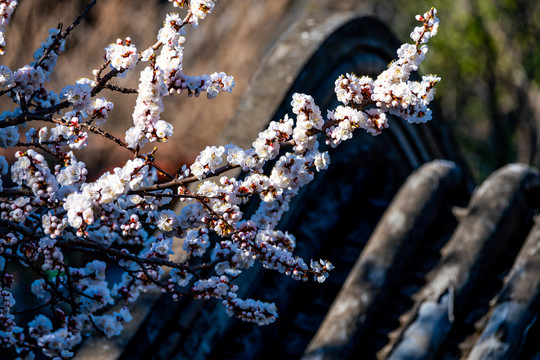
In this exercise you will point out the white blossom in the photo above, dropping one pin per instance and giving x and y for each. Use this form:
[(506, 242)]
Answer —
[(122, 57), (79, 94)]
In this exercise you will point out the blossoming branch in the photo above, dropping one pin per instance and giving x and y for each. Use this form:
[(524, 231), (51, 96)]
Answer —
[(52, 211)]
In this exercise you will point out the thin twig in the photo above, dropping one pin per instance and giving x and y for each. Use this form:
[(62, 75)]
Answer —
[(121, 89), (65, 34), (90, 246)]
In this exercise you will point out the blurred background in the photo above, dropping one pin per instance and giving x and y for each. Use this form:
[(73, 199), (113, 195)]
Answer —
[(486, 53)]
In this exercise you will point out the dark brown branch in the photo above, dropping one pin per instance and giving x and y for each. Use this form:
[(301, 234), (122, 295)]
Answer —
[(41, 147), (121, 89), (17, 227), (104, 80), (43, 114), (180, 196), (96, 130), (31, 309), (15, 192), (89, 246)]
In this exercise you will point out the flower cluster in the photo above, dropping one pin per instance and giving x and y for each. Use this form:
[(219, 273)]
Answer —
[(251, 310), (6, 9), (165, 76), (199, 9), (211, 84), (122, 57), (146, 116), (52, 208), (7, 320), (97, 197), (394, 92), (79, 94), (27, 80), (32, 170)]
